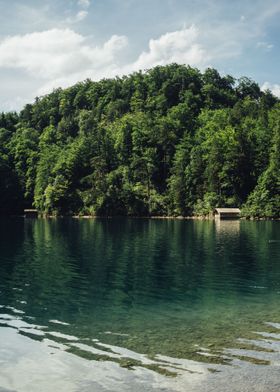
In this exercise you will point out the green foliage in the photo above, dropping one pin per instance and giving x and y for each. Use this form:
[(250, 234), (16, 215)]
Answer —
[(264, 201), (169, 141), (207, 205)]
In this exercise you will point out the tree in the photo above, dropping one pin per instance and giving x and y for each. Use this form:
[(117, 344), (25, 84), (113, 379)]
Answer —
[(170, 140)]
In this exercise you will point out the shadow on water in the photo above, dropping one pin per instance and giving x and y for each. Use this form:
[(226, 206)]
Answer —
[(168, 296)]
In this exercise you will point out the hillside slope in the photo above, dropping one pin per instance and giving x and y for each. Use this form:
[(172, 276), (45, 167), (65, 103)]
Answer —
[(170, 141)]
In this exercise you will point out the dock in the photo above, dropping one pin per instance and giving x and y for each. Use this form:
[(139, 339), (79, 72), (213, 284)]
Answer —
[(227, 213), (30, 213)]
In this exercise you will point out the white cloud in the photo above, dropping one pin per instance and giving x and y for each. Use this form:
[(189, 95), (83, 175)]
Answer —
[(81, 15), (221, 35), (54, 53), (274, 88), (179, 46), (60, 57), (264, 45), (84, 3), (14, 102)]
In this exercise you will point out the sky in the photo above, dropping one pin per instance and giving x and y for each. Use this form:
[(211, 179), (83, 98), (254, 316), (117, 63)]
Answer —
[(56, 43)]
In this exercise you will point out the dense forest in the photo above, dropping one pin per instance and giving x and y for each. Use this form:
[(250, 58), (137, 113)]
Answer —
[(168, 141)]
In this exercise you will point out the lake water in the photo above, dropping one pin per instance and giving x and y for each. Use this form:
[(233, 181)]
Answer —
[(139, 305)]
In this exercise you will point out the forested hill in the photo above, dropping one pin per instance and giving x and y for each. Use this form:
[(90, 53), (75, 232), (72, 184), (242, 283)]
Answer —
[(170, 141)]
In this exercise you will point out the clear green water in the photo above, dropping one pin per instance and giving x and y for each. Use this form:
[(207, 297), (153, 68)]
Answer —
[(127, 304)]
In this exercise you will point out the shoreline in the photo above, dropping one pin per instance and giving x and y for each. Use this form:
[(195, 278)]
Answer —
[(181, 218)]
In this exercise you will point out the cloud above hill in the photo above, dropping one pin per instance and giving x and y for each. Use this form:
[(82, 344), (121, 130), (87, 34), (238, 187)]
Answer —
[(60, 43), (57, 52), (176, 47), (274, 88), (61, 57)]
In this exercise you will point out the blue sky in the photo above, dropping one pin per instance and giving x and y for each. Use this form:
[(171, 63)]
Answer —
[(53, 43)]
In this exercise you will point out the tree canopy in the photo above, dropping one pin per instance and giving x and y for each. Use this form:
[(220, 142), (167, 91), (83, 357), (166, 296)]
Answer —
[(168, 141)]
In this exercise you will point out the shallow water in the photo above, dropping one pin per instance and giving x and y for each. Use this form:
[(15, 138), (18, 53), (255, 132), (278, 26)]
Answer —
[(148, 305)]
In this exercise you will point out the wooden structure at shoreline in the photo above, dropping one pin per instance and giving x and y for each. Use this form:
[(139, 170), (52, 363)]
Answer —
[(29, 213), (227, 213)]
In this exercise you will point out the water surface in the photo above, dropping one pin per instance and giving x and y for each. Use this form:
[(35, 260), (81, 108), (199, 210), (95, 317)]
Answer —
[(148, 305)]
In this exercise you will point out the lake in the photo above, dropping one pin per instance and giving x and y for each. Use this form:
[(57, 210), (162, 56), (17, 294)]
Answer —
[(139, 305)]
